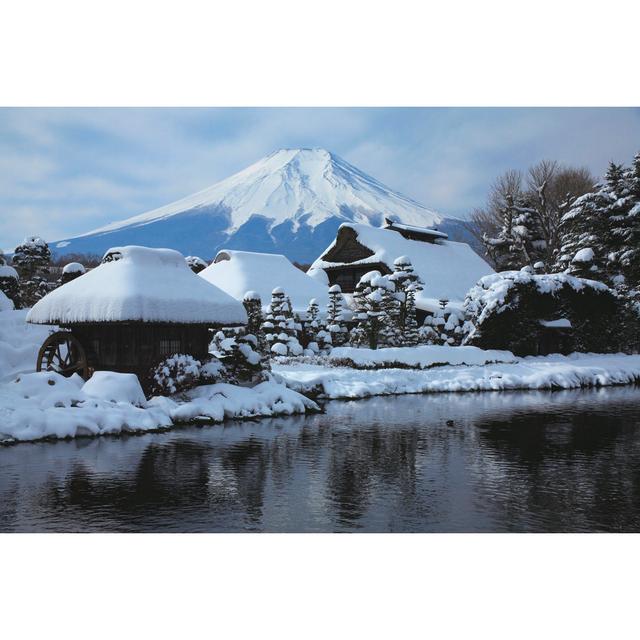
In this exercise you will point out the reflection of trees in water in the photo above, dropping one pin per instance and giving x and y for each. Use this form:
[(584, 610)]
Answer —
[(568, 472)]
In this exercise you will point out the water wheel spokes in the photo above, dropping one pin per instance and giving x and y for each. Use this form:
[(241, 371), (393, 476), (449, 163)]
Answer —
[(62, 352)]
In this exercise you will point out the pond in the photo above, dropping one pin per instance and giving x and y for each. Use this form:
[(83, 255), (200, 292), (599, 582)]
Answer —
[(483, 462)]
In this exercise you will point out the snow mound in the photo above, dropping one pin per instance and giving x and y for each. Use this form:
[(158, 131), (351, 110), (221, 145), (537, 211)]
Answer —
[(541, 372), (19, 344), (47, 405), (6, 304), (421, 357), (115, 387), (139, 283)]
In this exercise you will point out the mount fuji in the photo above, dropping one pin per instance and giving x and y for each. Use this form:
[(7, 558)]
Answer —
[(290, 202)]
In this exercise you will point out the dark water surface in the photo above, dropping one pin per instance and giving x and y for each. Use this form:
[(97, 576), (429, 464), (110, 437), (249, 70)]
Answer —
[(522, 461)]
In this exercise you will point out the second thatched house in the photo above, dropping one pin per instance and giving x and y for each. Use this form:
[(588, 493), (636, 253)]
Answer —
[(448, 269)]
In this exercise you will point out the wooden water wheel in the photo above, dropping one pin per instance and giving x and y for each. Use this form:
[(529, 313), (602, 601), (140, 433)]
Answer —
[(62, 352)]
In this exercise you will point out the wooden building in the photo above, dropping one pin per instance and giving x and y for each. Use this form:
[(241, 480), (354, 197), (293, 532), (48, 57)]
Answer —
[(138, 307), (448, 269)]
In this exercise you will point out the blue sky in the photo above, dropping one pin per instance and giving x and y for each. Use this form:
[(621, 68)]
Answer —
[(65, 171)]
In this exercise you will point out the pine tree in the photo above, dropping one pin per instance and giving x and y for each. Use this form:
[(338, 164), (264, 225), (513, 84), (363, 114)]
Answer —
[(281, 328), (255, 320), (519, 241), (408, 284), (370, 298), (335, 317)]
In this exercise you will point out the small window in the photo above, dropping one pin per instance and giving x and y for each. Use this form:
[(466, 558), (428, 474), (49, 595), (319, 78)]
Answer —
[(169, 347)]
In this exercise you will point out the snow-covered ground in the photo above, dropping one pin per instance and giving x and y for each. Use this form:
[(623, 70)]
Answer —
[(19, 343), (543, 372), (47, 405), (421, 357)]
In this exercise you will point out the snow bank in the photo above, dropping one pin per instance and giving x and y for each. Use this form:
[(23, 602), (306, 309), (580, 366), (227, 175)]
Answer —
[(138, 283), (448, 269), (542, 372), (47, 405), (237, 272), (422, 357), (5, 303), (19, 343), (115, 387)]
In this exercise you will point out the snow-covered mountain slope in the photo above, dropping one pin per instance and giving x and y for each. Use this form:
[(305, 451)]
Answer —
[(290, 202)]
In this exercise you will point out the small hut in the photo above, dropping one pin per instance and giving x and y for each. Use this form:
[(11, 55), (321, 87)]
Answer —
[(138, 307)]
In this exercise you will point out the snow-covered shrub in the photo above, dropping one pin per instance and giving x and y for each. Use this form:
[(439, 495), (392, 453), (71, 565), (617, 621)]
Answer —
[(9, 282), (508, 310), (72, 271), (175, 374)]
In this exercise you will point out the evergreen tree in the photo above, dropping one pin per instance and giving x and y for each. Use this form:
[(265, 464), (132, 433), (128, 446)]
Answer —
[(371, 300), (335, 317), (32, 259), (281, 328), (255, 320), (519, 240), (408, 284)]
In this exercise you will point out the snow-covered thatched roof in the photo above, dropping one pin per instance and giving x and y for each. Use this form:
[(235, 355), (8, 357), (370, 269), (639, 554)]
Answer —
[(139, 284), (448, 269), (237, 272)]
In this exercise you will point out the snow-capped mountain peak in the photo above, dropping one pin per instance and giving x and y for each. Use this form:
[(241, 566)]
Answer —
[(290, 198)]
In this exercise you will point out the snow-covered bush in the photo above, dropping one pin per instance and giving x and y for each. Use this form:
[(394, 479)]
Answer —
[(72, 271), (508, 310), (175, 374), (9, 282)]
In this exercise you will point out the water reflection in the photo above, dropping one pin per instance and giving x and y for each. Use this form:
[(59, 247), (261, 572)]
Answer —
[(563, 461)]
